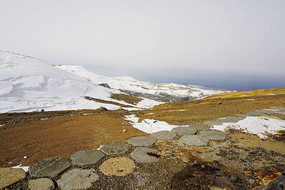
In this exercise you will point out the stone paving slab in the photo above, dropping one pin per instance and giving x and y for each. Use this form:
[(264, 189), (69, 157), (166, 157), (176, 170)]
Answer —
[(167, 135), (77, 179), (86, 157), (184, 131), (141, 141), (213, 135), (145, 155), (213, 123), (49, 167), (41, 184), (9, 176), (193, 140), (200, 126), (117, 166), (113, 148)]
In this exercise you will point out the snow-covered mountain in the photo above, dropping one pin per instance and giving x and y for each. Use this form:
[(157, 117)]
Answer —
[(162, 91), (28, 84)]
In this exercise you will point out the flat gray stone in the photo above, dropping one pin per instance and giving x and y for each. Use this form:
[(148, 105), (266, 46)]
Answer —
[(77, 179), (9, 176), (213, 123), (213, 135), (264, 112), (142, 141), (167, 135), (41, 184), (252, 114), (115, 148), (86, 157), (184, 131), (200, 126), (194, 140), (49, 167), (145, 155)]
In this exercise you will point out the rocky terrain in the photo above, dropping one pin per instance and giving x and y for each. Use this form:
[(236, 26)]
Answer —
[(194, 157)]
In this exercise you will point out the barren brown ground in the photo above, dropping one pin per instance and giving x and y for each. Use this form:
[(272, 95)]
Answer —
[(214, 107), (60, 135), (67, 132)]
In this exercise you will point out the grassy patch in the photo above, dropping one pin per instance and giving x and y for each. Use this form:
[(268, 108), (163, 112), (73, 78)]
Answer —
[(127, 98)]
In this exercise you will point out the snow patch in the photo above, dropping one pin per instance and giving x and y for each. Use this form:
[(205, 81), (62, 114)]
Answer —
[(25, 168), (255, 125), (150, 125)]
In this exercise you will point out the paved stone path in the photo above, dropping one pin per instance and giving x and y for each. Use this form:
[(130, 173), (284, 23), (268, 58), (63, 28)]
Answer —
[(72, 173)]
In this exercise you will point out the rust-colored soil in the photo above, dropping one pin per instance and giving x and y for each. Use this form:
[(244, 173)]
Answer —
[(60, 135)]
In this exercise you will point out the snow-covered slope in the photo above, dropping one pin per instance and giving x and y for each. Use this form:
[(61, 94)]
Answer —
[(137, 87), (28, 84)]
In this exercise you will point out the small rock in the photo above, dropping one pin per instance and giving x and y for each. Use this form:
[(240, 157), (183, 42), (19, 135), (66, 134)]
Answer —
[(115, 148), (77, 179), (117, 166), (86, 157), (167, 135), (251, 181), (184, 131), (9, 176), (142, 141), (41, 184), (193, 140), (213, 135), (145, 155), (49, 167)]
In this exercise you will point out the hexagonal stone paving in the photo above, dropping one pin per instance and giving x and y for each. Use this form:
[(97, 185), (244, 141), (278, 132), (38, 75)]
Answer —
[(142, 141), (213, 135), (41, 184), (9, 176), (184, 131), (193, 140), (167, 135), (145, 155), (86, 157), (113, 148), (77, 179), (49, 167), (117, 166)]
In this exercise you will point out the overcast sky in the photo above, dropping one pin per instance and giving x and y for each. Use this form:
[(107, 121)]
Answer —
[(237, 44)]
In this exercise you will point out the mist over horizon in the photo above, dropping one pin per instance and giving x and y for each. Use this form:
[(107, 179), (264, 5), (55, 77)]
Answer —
[(236, 45)]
